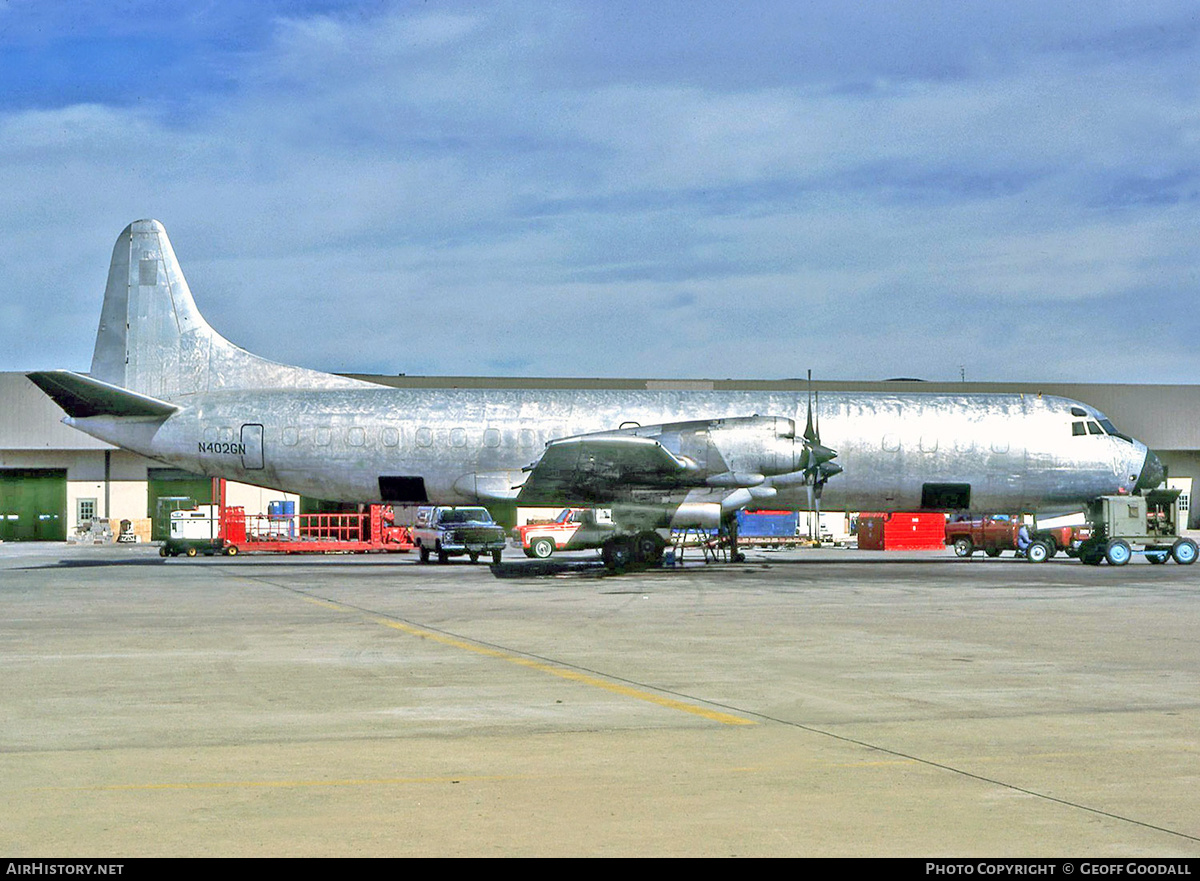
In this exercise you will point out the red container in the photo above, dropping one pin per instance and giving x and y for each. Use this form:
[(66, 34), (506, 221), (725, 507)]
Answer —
[(902, 532)]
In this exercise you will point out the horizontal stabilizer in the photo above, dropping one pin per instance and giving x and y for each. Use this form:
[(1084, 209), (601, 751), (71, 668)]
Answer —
[(81, 396)]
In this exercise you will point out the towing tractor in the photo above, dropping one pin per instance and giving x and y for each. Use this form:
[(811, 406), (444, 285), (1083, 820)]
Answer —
[(1126, 525)]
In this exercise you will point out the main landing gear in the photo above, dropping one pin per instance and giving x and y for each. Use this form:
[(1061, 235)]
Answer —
[(646, 549), (641, 551)]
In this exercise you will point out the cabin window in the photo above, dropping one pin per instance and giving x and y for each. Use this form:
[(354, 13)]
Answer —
[(290, 436), (491, 438), (1078, 429), (424, 437), (1093, 428), (390, 437), (324, 435), (458, 437), (928, 444), (356, 437), (526, 438), (891, 443), (1000, 445), (225, 434)]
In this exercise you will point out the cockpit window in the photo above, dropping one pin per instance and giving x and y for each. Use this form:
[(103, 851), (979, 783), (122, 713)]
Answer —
[(1077, 429), (1078, 411), (1093, 428), (1111, 429)]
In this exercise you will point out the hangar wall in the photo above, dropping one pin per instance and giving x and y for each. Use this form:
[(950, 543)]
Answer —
[(32, 437)]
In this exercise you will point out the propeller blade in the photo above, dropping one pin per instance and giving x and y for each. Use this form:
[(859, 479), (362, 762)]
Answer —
[(818, 454), (827, 470), (810, 434), (816, 459)]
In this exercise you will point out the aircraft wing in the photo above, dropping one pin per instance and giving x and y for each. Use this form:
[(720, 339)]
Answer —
[(596, 469)]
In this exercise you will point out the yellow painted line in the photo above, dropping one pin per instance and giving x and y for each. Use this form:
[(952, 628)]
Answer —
[(566, 673), (279, 784), (327, 605)]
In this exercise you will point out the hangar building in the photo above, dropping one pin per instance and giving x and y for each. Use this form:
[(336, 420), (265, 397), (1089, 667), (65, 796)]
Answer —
[(52, 477)]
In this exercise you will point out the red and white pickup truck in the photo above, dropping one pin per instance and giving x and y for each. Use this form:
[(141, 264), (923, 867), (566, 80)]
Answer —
[(572, 530)]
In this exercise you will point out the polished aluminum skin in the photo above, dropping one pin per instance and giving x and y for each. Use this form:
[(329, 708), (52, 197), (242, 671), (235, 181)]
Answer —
[(166, 385)]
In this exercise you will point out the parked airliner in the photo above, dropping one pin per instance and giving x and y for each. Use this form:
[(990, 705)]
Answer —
[(165, 385)]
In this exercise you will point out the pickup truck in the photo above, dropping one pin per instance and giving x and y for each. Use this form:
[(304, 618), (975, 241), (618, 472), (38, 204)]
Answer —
[(994, 535), (452, 532), (572, 529)]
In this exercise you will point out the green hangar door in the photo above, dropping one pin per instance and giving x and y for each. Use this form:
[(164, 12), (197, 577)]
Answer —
[(170, 489), (33, 504)]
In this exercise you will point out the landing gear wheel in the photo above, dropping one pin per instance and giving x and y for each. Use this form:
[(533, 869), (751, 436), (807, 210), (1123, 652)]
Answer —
[(496, 555), (231, 550), (191, 552), (963, 547), (617, 553), (648, 548), (1117, 552), (1037, 552), (992, 552), (1184, 552), (541, 548), (1158, 556)]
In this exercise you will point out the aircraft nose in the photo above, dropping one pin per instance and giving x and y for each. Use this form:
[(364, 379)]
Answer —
[(1153, 473)]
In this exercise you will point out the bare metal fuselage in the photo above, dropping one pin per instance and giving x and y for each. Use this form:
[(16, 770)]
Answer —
[(1017, 453)]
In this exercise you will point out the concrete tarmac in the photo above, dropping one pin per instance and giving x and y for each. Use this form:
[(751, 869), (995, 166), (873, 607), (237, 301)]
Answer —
[(804, 703)]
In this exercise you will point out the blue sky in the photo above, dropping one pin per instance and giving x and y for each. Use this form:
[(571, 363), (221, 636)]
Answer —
[(619, 189)]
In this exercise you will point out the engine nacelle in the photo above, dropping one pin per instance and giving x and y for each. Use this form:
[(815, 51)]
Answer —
[(697, 515), (732, 452)]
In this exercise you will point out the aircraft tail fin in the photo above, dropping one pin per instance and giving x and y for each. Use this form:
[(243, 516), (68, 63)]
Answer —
[(154, 341)]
